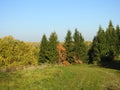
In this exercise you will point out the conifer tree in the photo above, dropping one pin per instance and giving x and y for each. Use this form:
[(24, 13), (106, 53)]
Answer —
[(111, 42), (94, 55), (118, 39), (68, 44), (52, 52), (98, 50), (80, 49), (43, 50), (105, 45)]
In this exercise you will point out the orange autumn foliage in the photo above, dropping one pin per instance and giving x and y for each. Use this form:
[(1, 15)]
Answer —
[(62, 53), (62, 56)]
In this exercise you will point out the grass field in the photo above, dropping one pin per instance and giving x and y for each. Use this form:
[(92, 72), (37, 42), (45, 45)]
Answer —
[(73, 77)]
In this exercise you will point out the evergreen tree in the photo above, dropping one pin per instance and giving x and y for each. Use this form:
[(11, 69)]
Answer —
[(118, 39), (80, 50), (102, 44), (68, 44), (111, 42), (105, 45), (52, 52), (43, 50), (98, 50), (94, 52)]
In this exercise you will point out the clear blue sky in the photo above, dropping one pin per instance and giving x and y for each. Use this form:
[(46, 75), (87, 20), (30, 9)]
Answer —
[(28, 20)]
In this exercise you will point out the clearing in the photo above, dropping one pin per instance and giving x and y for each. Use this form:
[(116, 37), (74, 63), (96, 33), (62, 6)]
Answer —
[(53, 77)]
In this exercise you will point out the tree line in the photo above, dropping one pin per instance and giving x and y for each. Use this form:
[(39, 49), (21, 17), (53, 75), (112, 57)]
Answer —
[(74, 49), (104, 49)]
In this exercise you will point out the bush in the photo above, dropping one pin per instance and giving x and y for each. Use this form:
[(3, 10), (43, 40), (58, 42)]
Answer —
[(14, 53)]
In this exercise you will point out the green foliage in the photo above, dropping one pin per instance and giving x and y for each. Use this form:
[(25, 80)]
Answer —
[(111, 41), (80, 49), (118, 39), (75, 47), (99, 46), (105, 45), (105, 48), (43, 50), (69, 47), (14, 53), (52, 52)]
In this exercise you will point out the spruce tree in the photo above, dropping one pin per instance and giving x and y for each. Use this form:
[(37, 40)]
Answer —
[(98, 50), (111, 42), (94, 52), (102, 44), (43, 50), (105, 45), (118, 39), (80, 50), (52, 52), (68, 44)]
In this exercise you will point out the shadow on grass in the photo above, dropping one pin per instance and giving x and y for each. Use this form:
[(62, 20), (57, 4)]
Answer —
[(115, 64)]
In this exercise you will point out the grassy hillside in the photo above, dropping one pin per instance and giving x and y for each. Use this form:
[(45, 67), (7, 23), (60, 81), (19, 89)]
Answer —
[(73, 77)]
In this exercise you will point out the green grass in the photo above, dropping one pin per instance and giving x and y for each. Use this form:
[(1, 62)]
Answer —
[(73, 77)]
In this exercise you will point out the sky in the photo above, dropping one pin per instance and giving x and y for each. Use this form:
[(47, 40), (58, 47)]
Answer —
[(28, 20)]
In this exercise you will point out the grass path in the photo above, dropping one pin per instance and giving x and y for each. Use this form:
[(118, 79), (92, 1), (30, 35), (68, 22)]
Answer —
[(73, 77)]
